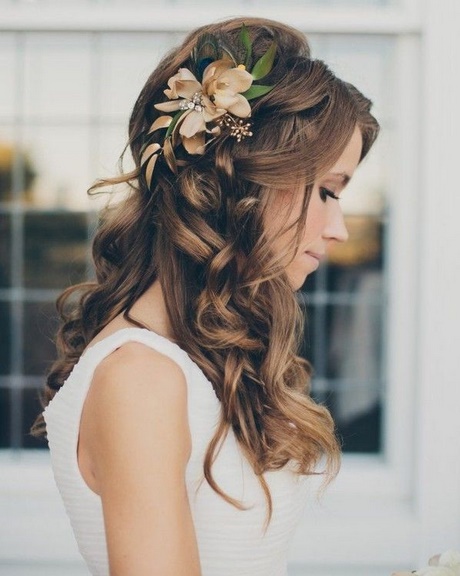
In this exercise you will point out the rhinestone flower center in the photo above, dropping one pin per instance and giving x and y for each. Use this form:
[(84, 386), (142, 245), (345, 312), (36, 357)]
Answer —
[(195, 103)]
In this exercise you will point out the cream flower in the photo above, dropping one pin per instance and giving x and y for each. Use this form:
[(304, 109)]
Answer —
[(197, 109), (224, 84), (200, 104), (218, 100)]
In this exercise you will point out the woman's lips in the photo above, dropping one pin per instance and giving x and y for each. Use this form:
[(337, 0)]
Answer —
[(316, 255)]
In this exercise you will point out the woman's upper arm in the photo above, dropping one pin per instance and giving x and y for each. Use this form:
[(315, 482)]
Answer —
[(136, 419)]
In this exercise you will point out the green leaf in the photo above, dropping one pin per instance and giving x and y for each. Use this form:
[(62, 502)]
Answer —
[(173, 123), (263, 66), (256, 90), (247, 45)]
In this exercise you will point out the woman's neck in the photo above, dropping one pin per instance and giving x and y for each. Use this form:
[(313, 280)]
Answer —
[(150, 310)]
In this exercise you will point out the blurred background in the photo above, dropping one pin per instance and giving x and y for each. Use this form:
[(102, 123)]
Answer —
[(382, 312)]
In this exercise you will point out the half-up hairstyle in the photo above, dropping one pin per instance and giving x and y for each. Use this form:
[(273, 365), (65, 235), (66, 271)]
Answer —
[(200, 232)]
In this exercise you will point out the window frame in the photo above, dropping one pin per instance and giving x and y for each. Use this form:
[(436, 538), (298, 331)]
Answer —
[(383, 501)]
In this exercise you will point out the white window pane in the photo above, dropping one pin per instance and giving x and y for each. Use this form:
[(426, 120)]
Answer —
[(112, 140), (126, 61), (57, 76), (61, 157), (346, 327), (367, 191), (8, 74), (367, 62)]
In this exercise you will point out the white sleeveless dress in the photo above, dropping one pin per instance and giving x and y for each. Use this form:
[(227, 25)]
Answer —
[(231, 542)]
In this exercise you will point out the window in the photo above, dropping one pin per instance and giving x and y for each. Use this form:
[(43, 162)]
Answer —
[(56, 150), (345, 333), (52, 151)]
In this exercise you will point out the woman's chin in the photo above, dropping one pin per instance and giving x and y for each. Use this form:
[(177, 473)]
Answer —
[(297, 283), (297, 280)]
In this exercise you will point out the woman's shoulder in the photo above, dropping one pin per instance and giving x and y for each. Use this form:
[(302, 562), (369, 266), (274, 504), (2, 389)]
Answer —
[(121, 347), (135, 375), (138, 361), (136, 395)]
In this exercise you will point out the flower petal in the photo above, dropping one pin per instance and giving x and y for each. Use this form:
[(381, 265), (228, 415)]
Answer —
[(215, 69), (149, 170), (160, 122), (196, 144), (210, 110), (182, 84), (210, 115), (223, 76), (235, 104), (149, 151), (170, 106), (193, 123), (215, 131), (184, 89), (234, 80), (169, 156)]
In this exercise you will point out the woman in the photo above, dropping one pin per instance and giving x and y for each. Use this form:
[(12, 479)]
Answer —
[(182, 435)]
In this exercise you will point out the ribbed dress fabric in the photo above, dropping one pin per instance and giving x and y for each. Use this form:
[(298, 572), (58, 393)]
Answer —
[(231, 542)]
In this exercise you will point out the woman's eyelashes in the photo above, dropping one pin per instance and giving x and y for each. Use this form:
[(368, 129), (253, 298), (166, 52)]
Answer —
[(325, 193)]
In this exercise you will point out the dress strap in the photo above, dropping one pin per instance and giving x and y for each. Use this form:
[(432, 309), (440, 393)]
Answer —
[(100, 350)]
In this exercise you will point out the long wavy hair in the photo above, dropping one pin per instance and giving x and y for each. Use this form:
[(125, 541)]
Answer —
[(200, 232)]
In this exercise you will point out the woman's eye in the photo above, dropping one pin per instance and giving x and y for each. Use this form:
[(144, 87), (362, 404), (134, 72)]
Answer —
[(325, 194)]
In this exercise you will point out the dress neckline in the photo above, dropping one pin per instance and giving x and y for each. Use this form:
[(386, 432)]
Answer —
[(116, 333)]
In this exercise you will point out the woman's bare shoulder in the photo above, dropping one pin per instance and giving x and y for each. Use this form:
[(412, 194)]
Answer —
[(140, 373), (141, 358), (137, 397)]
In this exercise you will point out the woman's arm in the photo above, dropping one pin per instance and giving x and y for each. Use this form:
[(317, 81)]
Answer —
[(137, 439)]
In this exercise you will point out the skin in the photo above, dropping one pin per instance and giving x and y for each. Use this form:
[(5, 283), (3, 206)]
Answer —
[(134, 440), (134, 446), (324, 222)]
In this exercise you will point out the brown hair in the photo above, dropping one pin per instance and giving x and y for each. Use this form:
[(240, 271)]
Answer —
[(201, 233)]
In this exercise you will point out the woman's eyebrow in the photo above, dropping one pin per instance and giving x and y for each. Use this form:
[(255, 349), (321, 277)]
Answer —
[(342, 175)]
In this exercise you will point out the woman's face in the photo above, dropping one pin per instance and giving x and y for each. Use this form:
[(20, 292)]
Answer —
[(324, 222)]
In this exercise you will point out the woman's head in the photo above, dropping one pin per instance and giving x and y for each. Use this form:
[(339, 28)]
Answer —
[(300, 128)]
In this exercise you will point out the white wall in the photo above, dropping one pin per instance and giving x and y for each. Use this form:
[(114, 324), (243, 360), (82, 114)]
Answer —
[(382, 514)]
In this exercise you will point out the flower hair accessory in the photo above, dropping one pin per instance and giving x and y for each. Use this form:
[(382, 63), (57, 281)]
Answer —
[(212, 99)]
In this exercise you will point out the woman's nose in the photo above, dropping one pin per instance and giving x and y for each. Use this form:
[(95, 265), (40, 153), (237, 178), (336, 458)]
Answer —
[(335, 228)]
